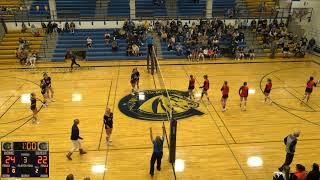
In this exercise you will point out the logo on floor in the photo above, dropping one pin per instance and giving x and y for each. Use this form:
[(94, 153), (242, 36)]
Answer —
[(154, 105)]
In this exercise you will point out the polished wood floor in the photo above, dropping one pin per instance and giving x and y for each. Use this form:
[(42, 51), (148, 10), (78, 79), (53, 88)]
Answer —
[(214, 146)]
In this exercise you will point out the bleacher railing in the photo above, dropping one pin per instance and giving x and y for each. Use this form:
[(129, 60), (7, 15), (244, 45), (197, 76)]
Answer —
[(24, 15)]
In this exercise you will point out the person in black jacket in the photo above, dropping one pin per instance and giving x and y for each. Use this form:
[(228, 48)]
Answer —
[(290, 141), (75, 136), (314, 174)]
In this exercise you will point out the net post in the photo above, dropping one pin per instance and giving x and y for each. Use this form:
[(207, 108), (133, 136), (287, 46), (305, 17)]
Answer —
[(173, 135)]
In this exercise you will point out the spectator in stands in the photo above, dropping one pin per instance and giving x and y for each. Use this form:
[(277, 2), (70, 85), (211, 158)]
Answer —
[(72, 27), (114, 45), (107, 38), (89, 42), (286, 51), (135, 50), (200, 54), (314, 174), (179, 49), (35, 32), (59, 28), (252, 55), (49, 28), (44, 27), (23, 28), (70, 177), (300, 172), (66, 27), (55, 27)]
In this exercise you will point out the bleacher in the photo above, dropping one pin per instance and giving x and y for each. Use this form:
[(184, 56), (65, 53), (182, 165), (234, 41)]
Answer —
[(118, 8), (146, 8), (189, 8), (253, 7), (41, 12), (10, 43), (75, 8), (99, 51), (220, 7)]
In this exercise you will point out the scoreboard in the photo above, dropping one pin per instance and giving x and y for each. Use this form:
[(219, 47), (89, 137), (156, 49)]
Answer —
[(24, 159)]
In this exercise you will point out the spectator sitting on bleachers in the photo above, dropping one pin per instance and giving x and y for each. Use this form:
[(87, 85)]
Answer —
[(107, 38), (89, 42), (179, 49), (35, 32), (66, 27), (23, 28), (114, 45), (59, 28), (285, 51), (72, 27), (135, 50), (314, 174), (251, 54)]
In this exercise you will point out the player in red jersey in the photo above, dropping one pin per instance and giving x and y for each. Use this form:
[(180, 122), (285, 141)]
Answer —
[(191, 87), (267, 90), (205, 87), (225, 95), (244, 92), (309, 88)]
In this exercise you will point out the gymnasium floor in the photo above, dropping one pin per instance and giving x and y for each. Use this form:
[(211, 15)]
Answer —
[(215, 145)]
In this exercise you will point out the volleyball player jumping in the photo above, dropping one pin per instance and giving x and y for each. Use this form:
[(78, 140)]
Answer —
[(33, 107), (191, 87), (267, 91), (205, 87), (244, 92), (135, 75), (309, 89), (50, 91), (225, 95)]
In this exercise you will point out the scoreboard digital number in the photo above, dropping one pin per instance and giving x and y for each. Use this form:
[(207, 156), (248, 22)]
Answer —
[(24, 159)]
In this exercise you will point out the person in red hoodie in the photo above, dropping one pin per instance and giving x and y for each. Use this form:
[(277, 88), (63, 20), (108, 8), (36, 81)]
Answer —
[(243, 92), (300, 173)]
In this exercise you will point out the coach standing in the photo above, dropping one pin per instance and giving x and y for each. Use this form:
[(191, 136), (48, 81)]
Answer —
[(290, 141), (75, 136)]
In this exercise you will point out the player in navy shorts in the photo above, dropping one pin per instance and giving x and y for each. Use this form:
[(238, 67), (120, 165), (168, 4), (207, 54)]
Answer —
[(47, 79), (134, 80), (33, 107), (108, 124), (44, 92)]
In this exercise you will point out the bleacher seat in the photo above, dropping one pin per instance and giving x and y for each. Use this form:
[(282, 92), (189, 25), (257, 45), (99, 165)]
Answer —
[(189, 8), (118, 8), (10, 43), (146, 8), (99, 51), (75, 8), (253, 7), (220, 7), (42, 12)]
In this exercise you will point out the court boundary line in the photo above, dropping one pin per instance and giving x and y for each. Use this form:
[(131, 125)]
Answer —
[(108, 98), (168, 64), (114, 101)]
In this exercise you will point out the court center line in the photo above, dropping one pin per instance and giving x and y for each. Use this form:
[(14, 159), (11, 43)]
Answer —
[(224, 138)]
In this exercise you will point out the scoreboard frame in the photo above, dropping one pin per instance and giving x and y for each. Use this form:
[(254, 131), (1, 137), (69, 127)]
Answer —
[(25, 159)]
